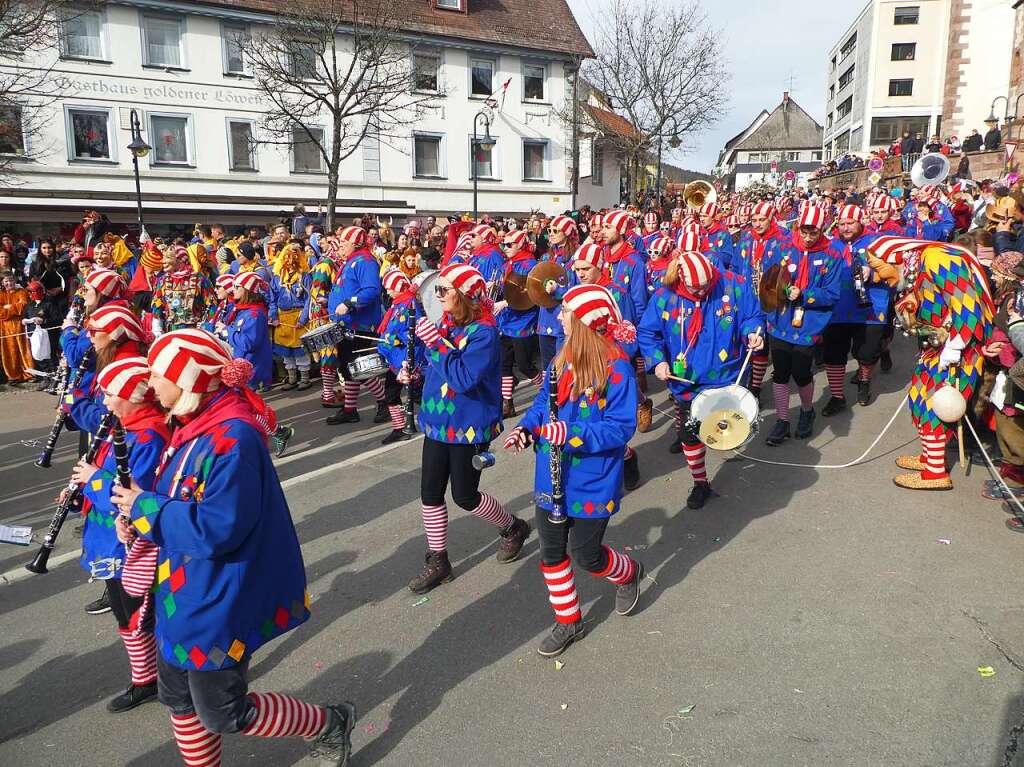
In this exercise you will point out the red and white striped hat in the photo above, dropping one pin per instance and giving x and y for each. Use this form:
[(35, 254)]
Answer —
[(695, 269), (565, 225), (517, 237), (485, 231), (689, 240), (850, 213), (192, 359), (651, 219), (465, 243), (619, 220), (765, 208), (127, 378), (251, 282), (105, 282), (395, 280), (591, 253), (595, 307), (709, 209), (812, 215), (465, 279), (354, 234), (117, 322), (885, 202), (596, 221), (225, 281), (660, 247)]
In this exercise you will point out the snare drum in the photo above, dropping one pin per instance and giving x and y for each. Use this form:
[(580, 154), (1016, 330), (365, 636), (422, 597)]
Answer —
[(367, 366), (733, 397), (323, 338)]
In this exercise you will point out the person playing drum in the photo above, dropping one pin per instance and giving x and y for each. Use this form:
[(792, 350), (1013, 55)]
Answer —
[(394, 347), (692, 336)]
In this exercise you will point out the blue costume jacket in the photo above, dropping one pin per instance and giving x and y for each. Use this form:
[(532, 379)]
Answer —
[(847, 309), (358, 285), (624, 267), (820, 265), (547, 319), (489, 261), (752, 247), (249, 337), (719, 240), (599, 428), (518, 323), (394, 348)]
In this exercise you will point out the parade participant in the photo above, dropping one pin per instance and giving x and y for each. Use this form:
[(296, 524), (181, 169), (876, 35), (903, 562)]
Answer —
[(596, 417), (940, 214), (856, 327), (757, 246), (125, 389), (354, 301), (486, 257), (394, 346), (676, 224), (15, 354), (247, 329), (144, 282), (811, 262), (230, 576), (652, 230), (563, 240), (948, 304), (184, 293), (517, 327), (659, 256), (595, 229), (884, 213), (715, 237), (289, 292), (693, 337), (925, 225), (218, 320), (315, 315), (247, 260), (460, 416)]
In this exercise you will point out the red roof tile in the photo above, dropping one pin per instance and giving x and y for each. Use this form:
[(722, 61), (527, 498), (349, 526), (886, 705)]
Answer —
[(612, 123)]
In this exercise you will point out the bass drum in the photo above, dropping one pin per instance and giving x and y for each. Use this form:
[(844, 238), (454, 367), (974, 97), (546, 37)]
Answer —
[(733, 398)]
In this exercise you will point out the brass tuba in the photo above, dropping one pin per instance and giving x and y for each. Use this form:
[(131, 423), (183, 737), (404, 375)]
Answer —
[(698, 193)]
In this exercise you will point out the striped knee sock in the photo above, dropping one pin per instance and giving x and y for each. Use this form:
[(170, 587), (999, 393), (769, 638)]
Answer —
[(141, 648), (376, 387), (538, 379), (328, 380), (508, 385), (282, 716), (758, 367), (677, 416), (695, 460), (351, 394), (397, 413), (492, 511), (264, 423), (781, 392), (629, 453), (934, 444), (836, 383), (866, 371), (435, 524), (562, 591), (806, 393), (198, 746), (620, 569)]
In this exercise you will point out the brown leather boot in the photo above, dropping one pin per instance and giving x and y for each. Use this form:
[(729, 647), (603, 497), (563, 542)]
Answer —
[(436, 571)]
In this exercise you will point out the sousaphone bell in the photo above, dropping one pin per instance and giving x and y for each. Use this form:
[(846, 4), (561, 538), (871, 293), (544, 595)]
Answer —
[(931, 168)]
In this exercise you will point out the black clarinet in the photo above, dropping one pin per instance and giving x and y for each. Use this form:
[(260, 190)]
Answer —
[(557, 514), (71, 500), (77, 316), (410, 359), (46, 456), (124, 474)]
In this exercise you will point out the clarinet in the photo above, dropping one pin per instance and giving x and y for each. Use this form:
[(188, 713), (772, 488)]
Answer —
[(557, 514), (74, 494), (410, 343), (77, 316), (46, 456)]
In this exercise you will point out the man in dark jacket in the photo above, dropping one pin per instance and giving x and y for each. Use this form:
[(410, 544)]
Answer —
[(973, 142), (918, 143), (993, 137)]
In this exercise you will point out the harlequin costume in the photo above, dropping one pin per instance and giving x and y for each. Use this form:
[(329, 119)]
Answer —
[(716, 238), (460, 415), (592, 429), (394, 345), (698, 328), (314, 315), (948, 303), (183, 294), (548, 326), (289, 293), (516, 327)]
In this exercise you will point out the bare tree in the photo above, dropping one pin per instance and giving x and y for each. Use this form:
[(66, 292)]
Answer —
[(334, 73), (662, 69)]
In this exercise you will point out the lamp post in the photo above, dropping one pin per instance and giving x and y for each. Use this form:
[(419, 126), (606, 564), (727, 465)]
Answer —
[(487, 142), (673, 142), (139, 148)]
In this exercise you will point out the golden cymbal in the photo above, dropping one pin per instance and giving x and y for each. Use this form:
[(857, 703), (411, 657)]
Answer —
[(539, 276), (515, 292), (724, 430)]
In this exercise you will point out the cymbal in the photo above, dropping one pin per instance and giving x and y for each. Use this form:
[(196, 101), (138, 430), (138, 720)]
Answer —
[(724, 430), (515, 292), (539, 276), (772, 290)]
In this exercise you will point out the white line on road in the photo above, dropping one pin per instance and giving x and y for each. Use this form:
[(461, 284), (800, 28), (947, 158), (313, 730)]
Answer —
[(20, 573)]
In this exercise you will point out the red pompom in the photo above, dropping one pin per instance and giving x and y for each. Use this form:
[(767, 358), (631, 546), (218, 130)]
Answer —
[(623, 332), (236, 373)]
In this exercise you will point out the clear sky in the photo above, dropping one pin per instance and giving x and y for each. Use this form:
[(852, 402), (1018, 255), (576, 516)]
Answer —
[(765, 43)]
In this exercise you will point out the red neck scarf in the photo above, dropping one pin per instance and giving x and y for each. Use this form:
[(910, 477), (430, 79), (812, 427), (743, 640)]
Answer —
[(147, 416), (761, 241), (803, 269), (403, 298), (518, 258), (243, 307), (696, 322), (241, 404), (614, 254)]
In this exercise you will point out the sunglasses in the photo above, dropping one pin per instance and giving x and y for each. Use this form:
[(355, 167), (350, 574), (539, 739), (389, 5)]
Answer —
[(441, 290)]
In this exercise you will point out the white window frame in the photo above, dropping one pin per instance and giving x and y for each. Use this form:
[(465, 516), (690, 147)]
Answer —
[(182, 48), (442, 154), (190, 140), (494, 73), (546, 143), (316, 63), (495, 165), (112, 134), (291, 153), (436, 56), (253, 154), (792, 156), (226, 28), (546, 97), (450, 5), (20, 114), (104, 56)]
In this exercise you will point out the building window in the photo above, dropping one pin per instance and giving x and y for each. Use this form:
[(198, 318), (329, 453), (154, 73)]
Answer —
[(846, 77), (82, 36), (755, 157), (816, 156), (235, 38), (302, 60), (885, 130), (597, 164), (162, 38), (448, 5), (843, 143), (481, 77), (89, 131), (906, 14), (427, 157), (535, 156), (901, 87), (424, 72), (482, 161), (845, 108), (831, 93), (792, 157), (12, 134), (171, 137), (241, 144), (848, 46), (534, 76), (904, 51), (833, 63), (306, 155), (831, 119)]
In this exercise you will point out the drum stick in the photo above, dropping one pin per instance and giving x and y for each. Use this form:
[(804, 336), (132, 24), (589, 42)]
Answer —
[(681, 380), (960, 442), (746, 361)]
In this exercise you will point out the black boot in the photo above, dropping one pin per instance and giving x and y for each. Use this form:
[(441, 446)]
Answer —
[(508, 409), (562, 635), (512, 540), (333, 745), (834, 406), (778, 434), (886, 361), (756, 391), (805, 425), (631, 472), (437, 570), (382, 415), (134, 696), (628, 594), (396, 435), (343, 416), (699, 495), (864, 393), (675, 446)]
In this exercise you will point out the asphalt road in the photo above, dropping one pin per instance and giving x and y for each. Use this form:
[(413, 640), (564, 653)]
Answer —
[(808, 617)]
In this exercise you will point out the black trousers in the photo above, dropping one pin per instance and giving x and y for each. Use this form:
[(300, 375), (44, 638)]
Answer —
[(547, 350), (392, 389), (792, 361), (217, 697), (444, 463), (579, 537), (686, 434), (861, 340), (123, 605), (519, 352)]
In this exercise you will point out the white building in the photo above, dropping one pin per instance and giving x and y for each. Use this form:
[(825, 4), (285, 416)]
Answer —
[(178, 65), (602, 131)]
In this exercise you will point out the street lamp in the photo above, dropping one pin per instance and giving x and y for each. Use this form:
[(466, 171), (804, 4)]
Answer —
[(992, 114), (487, 143), (138, 148)]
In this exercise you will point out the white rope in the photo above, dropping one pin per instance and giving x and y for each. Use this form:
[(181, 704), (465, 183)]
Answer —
[(26, 333), (992, 468)]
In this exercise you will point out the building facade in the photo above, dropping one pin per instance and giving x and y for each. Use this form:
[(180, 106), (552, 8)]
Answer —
[(180, 67)]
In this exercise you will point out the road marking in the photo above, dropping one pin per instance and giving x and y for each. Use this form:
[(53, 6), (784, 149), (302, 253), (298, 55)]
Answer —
[(293, 481), (20, 573)]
